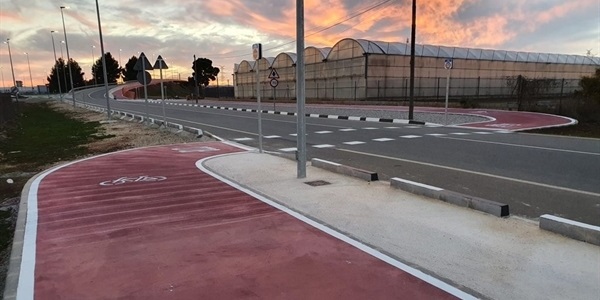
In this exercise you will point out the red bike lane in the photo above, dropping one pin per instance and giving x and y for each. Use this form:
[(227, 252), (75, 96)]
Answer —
[(148, 224)]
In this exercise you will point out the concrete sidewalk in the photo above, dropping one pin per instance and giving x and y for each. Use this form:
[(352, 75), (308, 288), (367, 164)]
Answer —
[(489, 257)]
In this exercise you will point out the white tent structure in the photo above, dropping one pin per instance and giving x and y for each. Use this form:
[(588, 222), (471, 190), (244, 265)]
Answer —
[(358, 69)]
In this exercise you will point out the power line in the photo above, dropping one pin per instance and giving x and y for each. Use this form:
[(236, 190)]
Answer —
[(318, 29)]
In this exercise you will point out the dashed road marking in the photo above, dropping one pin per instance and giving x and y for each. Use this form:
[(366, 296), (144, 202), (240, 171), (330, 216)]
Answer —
[(370, 128), (412, 127), (354, 143), (410, 136), (460, 133), (288, 149), (392, 127), (323, 146), (323, 132), (436, 134), (383, 140), (347, 129), (271, 136), (483, 132), (243, 139)]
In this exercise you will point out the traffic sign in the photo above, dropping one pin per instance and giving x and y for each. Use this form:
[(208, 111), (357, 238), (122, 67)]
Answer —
[(138, 65), (274, 74), (448, 63), (257, 51), (158, 65), (140, 77), (274, 82)]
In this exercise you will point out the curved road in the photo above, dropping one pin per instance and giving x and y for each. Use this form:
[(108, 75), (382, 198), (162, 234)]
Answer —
[(534, 174)]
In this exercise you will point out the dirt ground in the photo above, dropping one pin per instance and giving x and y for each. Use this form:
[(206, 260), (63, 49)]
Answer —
[(124, 135)]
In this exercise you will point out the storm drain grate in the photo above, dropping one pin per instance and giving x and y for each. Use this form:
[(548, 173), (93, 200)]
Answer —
[(317, 183)]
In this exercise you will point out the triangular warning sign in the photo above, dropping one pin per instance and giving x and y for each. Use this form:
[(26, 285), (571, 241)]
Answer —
[(274, 74), (138, 64), (160, 63)]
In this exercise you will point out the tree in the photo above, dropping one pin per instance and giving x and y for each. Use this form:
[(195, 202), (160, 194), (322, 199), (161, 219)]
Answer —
[(112, 67), (129, 73), (60, 71), (590, 86), (206, 72)]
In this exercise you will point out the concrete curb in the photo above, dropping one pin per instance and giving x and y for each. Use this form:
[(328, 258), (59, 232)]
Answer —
[(345, 170), (132, 117), (491, 207), (572, 229), (284, 113), (16, 254)]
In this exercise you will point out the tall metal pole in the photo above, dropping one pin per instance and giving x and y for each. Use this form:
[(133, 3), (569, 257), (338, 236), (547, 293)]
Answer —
[(68, 56), (300, 92), (30, 77), (12, 70), (143, 58), (56, 66), (259, 109), (162, 92), (411, 107), (64, 65), (95, 79), (196, 89), (108, 113), (447, 92)]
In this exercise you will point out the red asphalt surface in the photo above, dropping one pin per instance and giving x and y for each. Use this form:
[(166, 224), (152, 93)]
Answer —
[(498, 119), (188, 235)]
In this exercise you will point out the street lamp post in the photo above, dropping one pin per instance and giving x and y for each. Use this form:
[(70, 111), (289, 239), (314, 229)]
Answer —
[(12, 70), (64, 65), (68, 55), (103, 63), (56, 65), (95, 80), (30, 77)]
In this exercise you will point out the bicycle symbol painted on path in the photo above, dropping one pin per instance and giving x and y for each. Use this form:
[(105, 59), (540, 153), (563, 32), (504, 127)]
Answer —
[(124, 180)]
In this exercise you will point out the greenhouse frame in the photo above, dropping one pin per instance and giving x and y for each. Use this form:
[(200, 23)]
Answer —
[(358, 69)]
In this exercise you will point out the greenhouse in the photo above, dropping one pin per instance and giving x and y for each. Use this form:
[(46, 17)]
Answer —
[(357, 69)]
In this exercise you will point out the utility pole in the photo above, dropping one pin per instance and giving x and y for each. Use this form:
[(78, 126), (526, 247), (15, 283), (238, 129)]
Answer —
[(411, 105)]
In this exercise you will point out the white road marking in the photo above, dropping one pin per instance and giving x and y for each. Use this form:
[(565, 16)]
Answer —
[(476, 173), (524, 146), (383, 140), (323, 132), (271, 136), (410, 136), (323, 146), (370, 128), (243, 139), (412, 127), (294, 134), (348, 129), (288, 149), (354, 143), (391, 127), (367, 249), (483, 132), (460, 133), (436, 134)]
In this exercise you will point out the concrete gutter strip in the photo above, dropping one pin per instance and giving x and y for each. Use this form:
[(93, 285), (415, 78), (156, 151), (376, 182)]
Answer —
[(573, 229), (16, 255), (491, 207), (345, 170)]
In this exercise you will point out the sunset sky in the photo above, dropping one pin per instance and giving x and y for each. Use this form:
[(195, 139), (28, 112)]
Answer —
[(224, 30)]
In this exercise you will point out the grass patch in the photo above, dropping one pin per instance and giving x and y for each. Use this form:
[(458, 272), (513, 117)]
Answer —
[(42, 136)]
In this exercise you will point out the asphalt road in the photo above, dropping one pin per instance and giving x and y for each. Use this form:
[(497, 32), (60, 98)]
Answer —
[(534, 174)]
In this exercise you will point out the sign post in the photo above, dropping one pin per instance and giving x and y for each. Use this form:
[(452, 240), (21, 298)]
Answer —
[(161, 64), (142, 65), (257, 55), (448, 64), (273, 82)]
